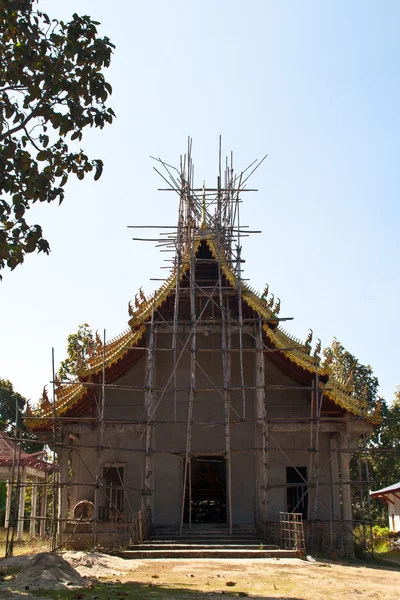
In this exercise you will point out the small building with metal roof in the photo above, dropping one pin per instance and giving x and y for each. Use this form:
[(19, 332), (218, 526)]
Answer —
[(391, 497)]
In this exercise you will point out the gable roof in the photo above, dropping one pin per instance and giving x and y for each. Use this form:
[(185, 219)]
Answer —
[(391, 489), (116, 350), (9, 448)]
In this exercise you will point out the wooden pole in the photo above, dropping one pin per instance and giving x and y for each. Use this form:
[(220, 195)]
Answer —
[(21, 507), (188, 455), (346, 495), (148, 401), (43, 507), (62, 489), (227, 417), (225, 375), (8, 504), (53, 540), (178, 260), (100, 433), (32, 524), (262, 404)]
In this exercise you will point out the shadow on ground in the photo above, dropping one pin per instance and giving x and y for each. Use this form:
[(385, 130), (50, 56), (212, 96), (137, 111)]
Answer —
[(135, 591)]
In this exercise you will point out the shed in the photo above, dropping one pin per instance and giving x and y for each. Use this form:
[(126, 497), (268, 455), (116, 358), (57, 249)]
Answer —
[(18, 470), (391, 497)]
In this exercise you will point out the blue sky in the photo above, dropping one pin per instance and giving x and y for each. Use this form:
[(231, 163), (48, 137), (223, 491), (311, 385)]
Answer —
[(313, 84)]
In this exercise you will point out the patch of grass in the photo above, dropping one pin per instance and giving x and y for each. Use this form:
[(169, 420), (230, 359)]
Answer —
[(27, 546)]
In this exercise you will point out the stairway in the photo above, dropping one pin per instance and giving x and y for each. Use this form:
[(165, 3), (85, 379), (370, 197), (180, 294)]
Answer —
[(205, 541)]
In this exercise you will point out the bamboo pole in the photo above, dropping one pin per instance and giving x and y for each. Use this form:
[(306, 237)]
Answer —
[(13, 488), (188, 457), (262, 402), (100, 432), (226, 385), (54, 524), (178, 260), (148, 401)]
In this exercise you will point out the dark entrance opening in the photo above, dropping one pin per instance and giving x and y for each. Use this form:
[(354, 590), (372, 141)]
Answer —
[(297, 496), (208, 490)]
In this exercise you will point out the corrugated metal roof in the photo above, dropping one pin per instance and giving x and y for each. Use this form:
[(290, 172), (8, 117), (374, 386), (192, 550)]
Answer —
[(387, 490)]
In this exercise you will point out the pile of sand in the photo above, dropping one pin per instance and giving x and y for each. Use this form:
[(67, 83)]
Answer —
[(47, 571), (94, 564)]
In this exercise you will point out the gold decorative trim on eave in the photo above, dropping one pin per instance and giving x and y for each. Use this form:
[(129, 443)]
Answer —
[(69, 395)]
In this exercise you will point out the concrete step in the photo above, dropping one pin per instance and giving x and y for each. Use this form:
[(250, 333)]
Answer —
[(205, 527), (209, 553), (203, 534), (184, 536), (147, 546)]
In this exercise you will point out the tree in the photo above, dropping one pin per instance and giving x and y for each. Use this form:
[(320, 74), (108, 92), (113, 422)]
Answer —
[(51, 88), (383, 461), (346, 367), (12, 406), (80, 347), (386, 464)]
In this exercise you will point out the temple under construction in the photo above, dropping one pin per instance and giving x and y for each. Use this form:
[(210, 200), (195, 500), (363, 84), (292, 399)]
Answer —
[(205, 410)]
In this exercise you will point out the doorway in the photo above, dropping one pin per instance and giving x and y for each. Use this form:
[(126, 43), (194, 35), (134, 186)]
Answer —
[(208, 475), (297, 496)]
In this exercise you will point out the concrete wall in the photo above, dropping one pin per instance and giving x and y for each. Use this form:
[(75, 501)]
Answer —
[(208, 436), (394, 513)]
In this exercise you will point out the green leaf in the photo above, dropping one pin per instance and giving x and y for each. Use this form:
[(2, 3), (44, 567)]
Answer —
[(58, 66), (42, 155)]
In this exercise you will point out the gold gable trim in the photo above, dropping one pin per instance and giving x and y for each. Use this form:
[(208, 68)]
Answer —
[(294, 349)]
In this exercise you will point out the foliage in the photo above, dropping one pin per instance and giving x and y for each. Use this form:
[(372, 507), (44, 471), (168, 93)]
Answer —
[(51, 88), (376, 539), (345, 366), (381, 536), (79, 348), (384, 463), (12, 403)]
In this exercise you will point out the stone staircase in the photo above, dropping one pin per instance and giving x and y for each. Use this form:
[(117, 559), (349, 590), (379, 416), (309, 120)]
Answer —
[(205, 541)]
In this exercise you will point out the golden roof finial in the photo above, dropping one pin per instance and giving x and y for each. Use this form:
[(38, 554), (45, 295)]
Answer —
[(349, 384), (28, 411), (203, 208), (378, 408)]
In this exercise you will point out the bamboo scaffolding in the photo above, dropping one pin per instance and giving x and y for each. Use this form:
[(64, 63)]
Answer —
[(227, 232)]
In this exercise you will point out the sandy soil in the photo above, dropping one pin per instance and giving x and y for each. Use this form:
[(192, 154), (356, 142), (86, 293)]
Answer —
[(291, 579)]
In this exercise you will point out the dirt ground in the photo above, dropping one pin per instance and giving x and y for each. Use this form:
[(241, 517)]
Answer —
[(294, 579), (291, 579)]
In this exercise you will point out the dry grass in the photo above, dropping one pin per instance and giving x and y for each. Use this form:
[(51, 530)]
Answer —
[(27, 546)]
